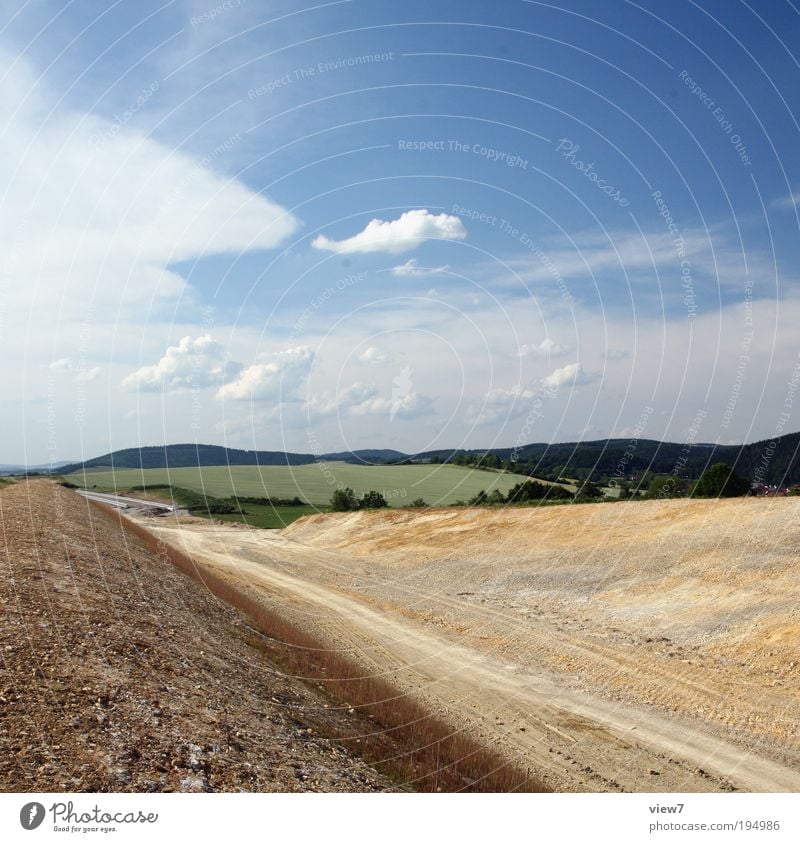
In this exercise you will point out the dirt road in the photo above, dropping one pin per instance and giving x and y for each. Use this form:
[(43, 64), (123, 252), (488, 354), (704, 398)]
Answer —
[(461, 660)]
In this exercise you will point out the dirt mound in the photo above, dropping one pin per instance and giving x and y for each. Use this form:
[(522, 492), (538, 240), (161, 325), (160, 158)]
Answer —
[(688, 609), (121, 674), (714, 568)]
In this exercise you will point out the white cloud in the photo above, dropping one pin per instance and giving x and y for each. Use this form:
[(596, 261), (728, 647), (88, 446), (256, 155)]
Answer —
[(411, 269), (92, 217), (277, 377), (546, 348), (617, 354), (86, 375), (570, 375), (408, 232), (361, 400), (636, 256), (374, 356), (191, 363), (500, 405), (81, 372), (64, 364), (787, 202)]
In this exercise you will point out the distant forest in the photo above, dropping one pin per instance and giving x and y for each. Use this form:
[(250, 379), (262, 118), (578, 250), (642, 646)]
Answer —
[(773, 462)]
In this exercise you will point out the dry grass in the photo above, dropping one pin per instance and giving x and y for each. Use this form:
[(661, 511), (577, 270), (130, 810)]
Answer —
[(404, 740)]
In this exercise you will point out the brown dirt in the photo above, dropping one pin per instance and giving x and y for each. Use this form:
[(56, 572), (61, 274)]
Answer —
[(118, 673), (649, 646)]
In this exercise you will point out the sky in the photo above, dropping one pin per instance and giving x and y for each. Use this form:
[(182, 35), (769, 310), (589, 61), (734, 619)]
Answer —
[(355, 224)]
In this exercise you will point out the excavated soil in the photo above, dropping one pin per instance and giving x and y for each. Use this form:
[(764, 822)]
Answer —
[(644, 646), (118, 673)]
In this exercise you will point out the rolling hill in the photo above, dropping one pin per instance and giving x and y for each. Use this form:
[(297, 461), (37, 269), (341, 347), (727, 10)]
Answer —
[(770, 461), (773, 461), (204, 455)]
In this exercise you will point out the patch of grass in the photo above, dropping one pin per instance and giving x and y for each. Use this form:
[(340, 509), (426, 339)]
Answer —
[(253, 511), (268, 517)]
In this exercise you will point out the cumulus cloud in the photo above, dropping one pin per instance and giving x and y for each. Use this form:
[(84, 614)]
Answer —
[(407, 232), (500, 404), (64, 364), (546, 348), (81, 372), (374, 356), (569, 375), (86, 375), (191, 363), (275, 377), (366, 399), (411, 269)]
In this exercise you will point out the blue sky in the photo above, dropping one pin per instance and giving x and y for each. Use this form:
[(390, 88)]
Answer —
[(364, 224)]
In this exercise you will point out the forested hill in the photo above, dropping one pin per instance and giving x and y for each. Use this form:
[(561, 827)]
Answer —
[(189, 456), (770, 461), (204, 455)]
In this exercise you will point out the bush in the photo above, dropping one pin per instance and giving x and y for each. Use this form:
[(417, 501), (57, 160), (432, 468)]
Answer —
[(344, 500), (589, 491), (419, 503), (271, 501), (526, 492), (373, 500), (720, 480), (667, 486)]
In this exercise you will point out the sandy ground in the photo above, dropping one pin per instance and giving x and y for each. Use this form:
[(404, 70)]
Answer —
[(120, 674), (643, 646)]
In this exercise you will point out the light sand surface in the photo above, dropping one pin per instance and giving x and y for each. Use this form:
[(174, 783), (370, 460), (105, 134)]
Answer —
[(642, 646)]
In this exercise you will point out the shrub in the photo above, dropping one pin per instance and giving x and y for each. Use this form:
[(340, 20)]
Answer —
[(720, 480), (344, 500), (373, 500), (526, 492)]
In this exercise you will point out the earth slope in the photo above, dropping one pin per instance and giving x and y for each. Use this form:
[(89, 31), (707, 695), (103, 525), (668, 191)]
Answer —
[(121, 674)]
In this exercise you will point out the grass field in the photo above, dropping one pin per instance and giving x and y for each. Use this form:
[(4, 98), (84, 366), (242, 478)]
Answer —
[(269, 517), (400, 484)]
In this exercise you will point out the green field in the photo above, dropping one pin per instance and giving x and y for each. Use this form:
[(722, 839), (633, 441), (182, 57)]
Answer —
[(437, 484), (269, 517)]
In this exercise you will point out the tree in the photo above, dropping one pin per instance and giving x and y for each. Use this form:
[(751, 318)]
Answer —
[(344, 500), (479, 499), (667, 485), (419, 503), (589, 491), (526, 492), (373, 500), (720, 480)]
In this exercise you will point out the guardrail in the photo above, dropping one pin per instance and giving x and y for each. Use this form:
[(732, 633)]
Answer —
[(124, 502)]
